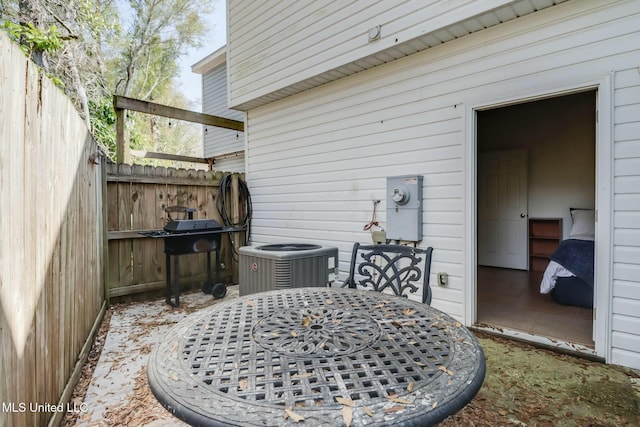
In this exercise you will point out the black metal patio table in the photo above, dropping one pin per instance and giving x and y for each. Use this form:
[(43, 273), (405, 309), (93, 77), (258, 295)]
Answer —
[(319, 357)]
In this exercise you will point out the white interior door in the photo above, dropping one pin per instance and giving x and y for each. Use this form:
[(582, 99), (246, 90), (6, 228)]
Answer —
[(502, 209)]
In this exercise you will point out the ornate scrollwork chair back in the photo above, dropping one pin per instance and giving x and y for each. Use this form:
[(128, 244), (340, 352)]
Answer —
[(399, 269)]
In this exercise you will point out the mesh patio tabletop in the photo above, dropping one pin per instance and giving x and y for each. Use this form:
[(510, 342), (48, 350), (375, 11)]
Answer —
[(304, 355)]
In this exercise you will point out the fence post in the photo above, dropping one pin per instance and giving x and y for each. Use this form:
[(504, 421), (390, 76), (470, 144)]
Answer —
[(105, 227), (123, 151)]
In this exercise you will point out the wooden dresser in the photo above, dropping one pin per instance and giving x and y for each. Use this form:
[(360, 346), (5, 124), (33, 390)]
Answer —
[(545, 235)]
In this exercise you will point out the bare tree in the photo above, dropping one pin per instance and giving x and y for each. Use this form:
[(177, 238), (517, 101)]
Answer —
[(158, 34), (160, 31), (81, 45)]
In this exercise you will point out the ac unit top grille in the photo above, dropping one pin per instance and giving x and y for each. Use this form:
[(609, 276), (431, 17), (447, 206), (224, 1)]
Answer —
[(281, 247)]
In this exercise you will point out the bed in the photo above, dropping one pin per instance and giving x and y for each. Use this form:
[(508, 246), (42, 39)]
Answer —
[(569, 275)]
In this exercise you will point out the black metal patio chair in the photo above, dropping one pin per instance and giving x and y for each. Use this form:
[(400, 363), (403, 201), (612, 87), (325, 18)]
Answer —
[(394, 267)]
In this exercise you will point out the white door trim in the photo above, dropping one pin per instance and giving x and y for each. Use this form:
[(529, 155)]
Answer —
[(603, 298), (604, 197)]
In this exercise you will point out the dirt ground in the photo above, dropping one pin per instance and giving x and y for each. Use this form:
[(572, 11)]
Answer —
[(524, 386)]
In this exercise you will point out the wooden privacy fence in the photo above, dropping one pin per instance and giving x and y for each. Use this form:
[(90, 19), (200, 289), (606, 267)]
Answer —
[(136, 200), (51, 244)]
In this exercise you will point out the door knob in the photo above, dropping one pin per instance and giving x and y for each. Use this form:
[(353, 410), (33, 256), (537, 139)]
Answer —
[(522, 215)]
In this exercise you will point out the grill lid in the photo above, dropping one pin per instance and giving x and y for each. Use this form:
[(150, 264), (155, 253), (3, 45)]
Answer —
[(281, 247), (191, 225)]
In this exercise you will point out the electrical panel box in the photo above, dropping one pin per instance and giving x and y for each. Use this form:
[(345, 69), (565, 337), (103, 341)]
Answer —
[(404, 208)]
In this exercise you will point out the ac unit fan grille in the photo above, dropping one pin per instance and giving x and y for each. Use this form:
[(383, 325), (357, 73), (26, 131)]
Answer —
[(282, 274)]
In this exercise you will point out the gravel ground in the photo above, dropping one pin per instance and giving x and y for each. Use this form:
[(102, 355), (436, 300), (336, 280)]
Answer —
[(524, 385)]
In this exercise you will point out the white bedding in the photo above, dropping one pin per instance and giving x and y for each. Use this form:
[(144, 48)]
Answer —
[(553, 271)]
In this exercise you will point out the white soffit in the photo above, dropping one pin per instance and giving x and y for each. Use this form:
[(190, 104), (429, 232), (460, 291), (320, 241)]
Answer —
[(459, 29), (210, 61)]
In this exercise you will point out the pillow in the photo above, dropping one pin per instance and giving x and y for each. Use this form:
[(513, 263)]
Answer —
[(583, 225)]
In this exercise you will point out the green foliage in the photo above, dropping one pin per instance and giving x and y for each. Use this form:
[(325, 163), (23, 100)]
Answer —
[(103, 121), (56, 80), (32, 39), (93, 49), (100, 19), (136, 129), (159, 32)]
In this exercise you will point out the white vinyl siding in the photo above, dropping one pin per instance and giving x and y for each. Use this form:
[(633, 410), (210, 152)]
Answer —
[(230, 164), (316, 160), (626, 252), (218, 141), (275, 44)]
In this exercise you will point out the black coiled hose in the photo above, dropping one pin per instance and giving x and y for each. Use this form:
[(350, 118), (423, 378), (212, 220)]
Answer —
[(244, 201)]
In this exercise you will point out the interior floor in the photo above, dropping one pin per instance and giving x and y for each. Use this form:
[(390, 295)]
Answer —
[(512, 299)]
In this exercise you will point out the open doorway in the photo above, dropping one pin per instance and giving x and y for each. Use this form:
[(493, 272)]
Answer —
[(545, 150)]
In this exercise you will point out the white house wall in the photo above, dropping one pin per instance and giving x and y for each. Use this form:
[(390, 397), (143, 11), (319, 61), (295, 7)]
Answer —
[(278, 44), (230, 164), (219, 141), (626, 251), (316, 160)]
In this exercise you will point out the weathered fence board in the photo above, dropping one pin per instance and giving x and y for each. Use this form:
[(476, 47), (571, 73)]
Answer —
[(51, 251), (137, 197), (56, 194)]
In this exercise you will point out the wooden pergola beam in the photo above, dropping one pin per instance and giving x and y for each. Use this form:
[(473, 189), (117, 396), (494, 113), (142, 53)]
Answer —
[(165, 156), (180, 158), (124, 103)]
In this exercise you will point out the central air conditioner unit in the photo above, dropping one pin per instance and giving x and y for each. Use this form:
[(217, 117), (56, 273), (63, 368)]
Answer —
[(286, 265)]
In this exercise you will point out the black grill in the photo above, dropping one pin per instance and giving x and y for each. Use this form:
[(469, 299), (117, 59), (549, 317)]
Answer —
[(192, 225), (189, 236)]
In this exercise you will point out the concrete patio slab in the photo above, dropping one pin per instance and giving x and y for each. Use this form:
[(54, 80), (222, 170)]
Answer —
[(118, 393)]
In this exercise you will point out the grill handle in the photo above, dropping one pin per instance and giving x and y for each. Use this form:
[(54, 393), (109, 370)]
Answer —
[(188, 211)]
